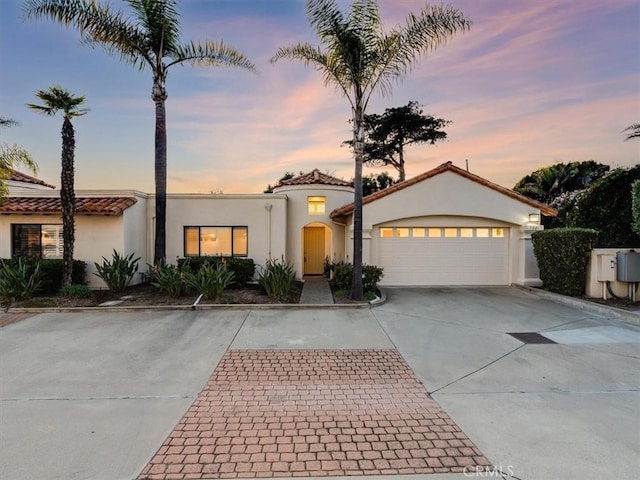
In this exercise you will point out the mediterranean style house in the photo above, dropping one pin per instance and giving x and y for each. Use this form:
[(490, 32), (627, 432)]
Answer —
[(446, 226)]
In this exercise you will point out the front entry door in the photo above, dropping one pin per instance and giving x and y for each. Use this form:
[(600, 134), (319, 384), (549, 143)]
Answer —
[(313, 250)]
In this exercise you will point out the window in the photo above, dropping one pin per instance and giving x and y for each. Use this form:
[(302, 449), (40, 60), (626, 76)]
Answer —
[(482, 232), (435, 232), (417, 233), (36, 241), (451, 232), (402, 232), (316, 205), (386, 232), (466, 232), (497, 232), (215, 241)]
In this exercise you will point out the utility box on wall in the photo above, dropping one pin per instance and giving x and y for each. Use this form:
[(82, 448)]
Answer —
[(606, 268), (628, 267)]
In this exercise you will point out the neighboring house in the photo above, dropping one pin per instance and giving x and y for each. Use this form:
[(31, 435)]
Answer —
[(444, 227)]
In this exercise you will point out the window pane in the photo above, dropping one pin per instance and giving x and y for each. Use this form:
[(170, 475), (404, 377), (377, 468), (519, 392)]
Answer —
[(26, 241), (450, 232), (316, 205), (402, 232), (191, 241), (418, 232), (215, 241), (240, 241), (482, 232), (386, 232), (466, 232), (497, 232), (435, 232), (52, 241)]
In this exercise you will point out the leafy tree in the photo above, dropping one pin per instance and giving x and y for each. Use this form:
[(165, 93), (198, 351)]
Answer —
[(635, 207), (387, 134), (54, 100), (11, 157), (375, 182), (286, 176), (547, 183), (148, 37), (634, 131), (359, 57), (606, 205)]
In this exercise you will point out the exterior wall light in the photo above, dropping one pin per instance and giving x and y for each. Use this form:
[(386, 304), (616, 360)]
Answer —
[(534, 218)]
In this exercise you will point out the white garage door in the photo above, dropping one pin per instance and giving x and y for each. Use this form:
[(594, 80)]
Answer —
[(443, 255)]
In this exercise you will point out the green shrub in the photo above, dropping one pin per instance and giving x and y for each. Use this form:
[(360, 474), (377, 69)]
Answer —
[(76, 291), (19, 281), (606, 205), (118, 272), (563, 257), (343, 274), (51, 272), (210, 280), (243, 268), (277, 279), (169, 278)]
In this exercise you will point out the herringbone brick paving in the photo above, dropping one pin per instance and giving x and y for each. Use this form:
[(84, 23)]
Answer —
[(294, 413)]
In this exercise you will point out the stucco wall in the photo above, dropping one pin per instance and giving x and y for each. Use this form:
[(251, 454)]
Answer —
[(266, 226), (298, 217)]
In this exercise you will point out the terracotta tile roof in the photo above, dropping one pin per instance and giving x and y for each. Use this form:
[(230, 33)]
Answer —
[(447, 167), (315, 177), (111, 206), (24, 178)]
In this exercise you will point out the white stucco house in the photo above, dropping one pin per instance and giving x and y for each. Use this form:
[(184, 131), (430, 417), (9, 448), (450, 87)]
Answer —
[(446, 226)]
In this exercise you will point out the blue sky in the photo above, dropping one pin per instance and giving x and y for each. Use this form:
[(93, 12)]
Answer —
[(531, 84)]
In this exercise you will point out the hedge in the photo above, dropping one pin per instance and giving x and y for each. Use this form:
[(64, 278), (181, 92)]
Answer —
[(51, 272), (343, 275), (635, 207), (563, 256), (243, 268)]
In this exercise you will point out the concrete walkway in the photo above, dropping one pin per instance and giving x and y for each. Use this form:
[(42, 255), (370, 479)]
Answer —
[(98, 395), (316, 291)]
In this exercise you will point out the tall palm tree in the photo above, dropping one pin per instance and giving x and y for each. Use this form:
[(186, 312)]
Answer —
[(148, 37), (11, 157), (634, 131), (359, 57), (54, 100)]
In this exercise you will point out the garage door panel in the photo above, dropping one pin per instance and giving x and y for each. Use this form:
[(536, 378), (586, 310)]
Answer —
[(444, 260)]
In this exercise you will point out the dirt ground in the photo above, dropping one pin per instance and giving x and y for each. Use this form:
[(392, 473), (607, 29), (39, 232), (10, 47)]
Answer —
[(145, 295)]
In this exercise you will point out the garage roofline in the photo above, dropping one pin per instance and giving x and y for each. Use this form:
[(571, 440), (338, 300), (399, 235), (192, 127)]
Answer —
[(446, 167)]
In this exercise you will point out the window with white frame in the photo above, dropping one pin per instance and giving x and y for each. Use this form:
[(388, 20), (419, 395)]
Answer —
[(216, 241), (34, 240), (316, 205)]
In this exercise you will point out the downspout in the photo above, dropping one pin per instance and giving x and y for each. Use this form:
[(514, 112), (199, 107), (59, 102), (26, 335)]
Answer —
[(268, 208)]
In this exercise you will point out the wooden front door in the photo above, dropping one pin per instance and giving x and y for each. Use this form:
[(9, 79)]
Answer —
[(313, 250)]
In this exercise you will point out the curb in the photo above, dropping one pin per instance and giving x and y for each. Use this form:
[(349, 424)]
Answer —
[(604, 310)]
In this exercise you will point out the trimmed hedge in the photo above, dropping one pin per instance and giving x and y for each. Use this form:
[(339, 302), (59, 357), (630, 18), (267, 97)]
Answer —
[(243, 268), (563, 257), (343, 274), (51, 272)]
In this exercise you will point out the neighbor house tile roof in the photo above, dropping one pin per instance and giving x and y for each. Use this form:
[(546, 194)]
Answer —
[(315, 177), (24, 178), (447, 167), (111, 206)]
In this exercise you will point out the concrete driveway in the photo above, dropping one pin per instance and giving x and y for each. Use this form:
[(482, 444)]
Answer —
[(94, 395)]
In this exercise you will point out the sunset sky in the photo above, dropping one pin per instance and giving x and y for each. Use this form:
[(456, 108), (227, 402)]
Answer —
[(531, 84)]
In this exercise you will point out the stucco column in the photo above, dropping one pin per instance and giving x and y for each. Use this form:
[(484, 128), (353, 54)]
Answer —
[(528, 272), (366, 244)]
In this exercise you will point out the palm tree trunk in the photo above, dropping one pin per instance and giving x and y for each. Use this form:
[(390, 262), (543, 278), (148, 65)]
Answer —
[(161, 181), (358, 142), (67, 200)]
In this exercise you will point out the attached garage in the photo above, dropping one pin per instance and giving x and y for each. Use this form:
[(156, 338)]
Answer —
[(445, 227), (428, 255)]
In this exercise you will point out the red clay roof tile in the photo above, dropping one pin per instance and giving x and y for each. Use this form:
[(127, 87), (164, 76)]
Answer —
[(315, 177), (24, 178), (111, 206)]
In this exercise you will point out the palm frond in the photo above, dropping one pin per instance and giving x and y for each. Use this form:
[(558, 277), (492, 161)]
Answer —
[(57, 99), (634, 129), (210, 53), (160, 21)]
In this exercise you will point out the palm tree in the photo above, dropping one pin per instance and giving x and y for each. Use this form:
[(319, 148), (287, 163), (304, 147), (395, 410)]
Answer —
[(149, 37), (359, 57), (54, 100), (634, 131), (12, 156)]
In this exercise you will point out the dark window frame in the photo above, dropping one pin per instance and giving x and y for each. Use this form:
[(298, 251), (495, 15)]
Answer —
[(232, 227)]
